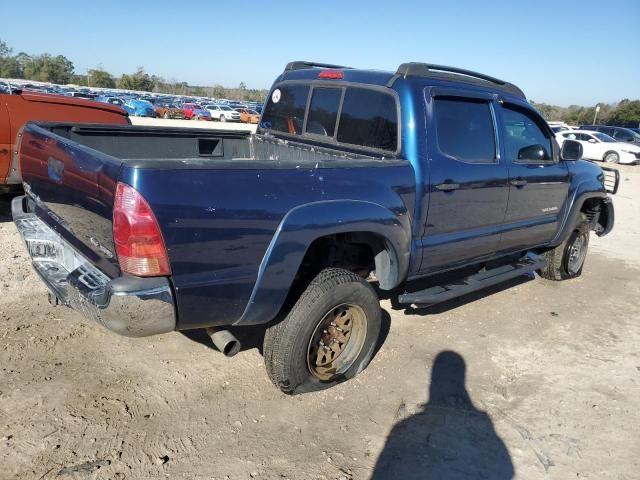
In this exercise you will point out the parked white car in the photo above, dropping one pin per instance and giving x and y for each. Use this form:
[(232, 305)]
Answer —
[(223, 113), (601, 147)]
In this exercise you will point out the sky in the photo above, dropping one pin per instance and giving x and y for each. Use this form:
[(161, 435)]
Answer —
[(560, 52)]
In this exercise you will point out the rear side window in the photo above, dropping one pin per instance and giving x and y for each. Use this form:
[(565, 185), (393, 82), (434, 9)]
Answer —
[(465, 129), (369, 118), (323, 111), (285, 109)]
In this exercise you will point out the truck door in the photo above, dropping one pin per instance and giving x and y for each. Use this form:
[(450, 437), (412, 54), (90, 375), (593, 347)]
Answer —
[(468, 188), (5, 140), (539, 181)]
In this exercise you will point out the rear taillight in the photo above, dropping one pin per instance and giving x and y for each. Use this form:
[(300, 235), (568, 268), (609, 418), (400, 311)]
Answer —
[(137, 236)]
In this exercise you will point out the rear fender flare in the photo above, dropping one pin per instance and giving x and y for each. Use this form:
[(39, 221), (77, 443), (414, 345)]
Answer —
[(306, 223)]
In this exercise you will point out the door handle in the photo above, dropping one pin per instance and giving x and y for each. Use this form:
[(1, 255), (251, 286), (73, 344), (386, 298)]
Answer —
[(4, 151), (518, 182), (448, 187)]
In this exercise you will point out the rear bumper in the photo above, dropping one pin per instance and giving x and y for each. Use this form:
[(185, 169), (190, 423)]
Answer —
[(130, 306)]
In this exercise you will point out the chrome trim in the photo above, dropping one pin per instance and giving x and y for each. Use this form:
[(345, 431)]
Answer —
[(130, 306)]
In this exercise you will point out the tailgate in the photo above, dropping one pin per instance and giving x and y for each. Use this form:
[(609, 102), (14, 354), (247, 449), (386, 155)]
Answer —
[(72, 188)]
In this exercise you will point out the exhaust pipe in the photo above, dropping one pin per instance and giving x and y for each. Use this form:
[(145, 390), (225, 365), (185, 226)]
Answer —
[(224, 341)]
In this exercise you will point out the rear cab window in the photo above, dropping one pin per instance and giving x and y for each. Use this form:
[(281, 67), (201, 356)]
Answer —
[(349, 115)]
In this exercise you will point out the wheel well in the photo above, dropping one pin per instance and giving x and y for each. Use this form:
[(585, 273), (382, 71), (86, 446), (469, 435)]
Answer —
[(364, 253), (597, 216)]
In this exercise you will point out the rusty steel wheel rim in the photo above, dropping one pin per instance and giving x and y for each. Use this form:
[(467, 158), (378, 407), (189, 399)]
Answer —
[(337, 341)]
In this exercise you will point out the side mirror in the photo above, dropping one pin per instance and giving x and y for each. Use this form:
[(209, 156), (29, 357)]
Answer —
[(571, 150), (591, 140), (533, 152)]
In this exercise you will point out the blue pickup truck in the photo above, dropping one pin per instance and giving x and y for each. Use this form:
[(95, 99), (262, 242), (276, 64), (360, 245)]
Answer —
[(357, 182)]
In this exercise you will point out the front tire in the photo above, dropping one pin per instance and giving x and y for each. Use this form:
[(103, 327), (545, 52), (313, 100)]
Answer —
[(611, 157), (223, 118), (329, 336), (567, 259)]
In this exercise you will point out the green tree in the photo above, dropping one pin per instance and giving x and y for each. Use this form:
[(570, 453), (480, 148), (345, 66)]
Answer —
[(218, 91), (46, 68), (80, 79), (140, 80), (100, 78), (627, 114), (10, 68), (5, 51)]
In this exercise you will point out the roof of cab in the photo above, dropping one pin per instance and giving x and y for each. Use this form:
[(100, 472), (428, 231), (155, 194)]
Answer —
[(303, 70)]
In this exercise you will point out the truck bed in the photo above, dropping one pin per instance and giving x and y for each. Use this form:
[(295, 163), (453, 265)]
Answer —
[(219, 197), (157, 147)]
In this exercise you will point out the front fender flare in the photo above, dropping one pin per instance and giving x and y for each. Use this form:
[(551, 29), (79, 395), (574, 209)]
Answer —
[(574, 210), (306, 223)]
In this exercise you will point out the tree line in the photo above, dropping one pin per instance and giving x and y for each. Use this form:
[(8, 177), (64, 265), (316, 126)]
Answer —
[(625, 113), (60, 70)]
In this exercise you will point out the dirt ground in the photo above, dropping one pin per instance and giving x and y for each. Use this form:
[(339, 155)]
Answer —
[(539, 380)]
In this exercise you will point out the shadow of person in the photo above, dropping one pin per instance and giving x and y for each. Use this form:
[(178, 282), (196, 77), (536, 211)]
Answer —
[(448, 439)]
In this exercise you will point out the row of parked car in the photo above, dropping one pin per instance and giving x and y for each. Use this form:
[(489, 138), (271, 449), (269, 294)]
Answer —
[(604, 143), (224, 111), (155, 105)]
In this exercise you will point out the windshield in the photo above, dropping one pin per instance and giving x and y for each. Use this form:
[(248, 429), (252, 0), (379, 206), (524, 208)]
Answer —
[(604, 138), (228, 109)]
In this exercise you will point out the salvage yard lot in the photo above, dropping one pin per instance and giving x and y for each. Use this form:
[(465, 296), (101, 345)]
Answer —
[(552, 378)]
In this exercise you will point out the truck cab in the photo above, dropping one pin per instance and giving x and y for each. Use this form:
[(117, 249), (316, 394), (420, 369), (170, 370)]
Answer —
[(488, 172)]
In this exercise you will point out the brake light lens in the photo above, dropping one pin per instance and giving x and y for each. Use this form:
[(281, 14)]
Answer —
[(138, 239), (331, 75)]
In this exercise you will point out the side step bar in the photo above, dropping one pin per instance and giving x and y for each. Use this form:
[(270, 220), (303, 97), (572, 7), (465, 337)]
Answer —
[(477, 281)]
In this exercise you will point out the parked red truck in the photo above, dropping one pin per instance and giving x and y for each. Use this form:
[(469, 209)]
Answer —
[(19, 107)]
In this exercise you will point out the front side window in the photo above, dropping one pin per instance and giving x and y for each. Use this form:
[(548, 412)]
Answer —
[(369, 118), (285, 109), (464, 129), (525, 139)]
